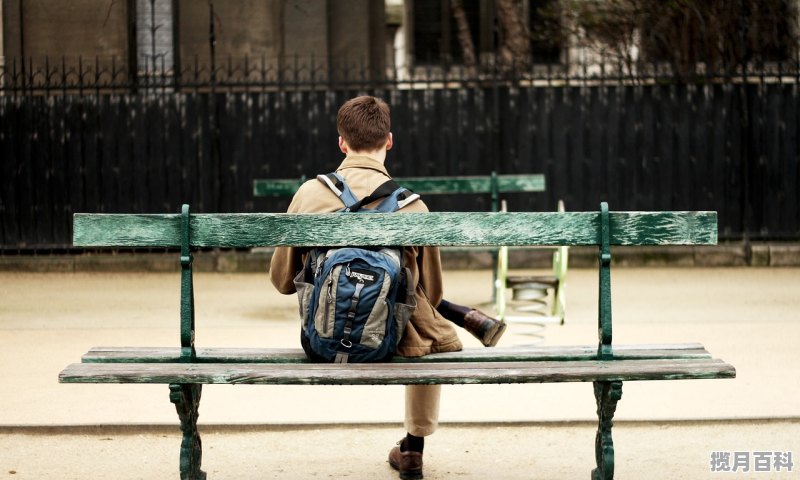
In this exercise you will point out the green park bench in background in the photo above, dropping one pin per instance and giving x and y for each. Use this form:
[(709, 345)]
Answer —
[(531, 294), (493, 185), (186, 368)]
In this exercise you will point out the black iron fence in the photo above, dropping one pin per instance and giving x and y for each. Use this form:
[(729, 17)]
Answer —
[(111, 74), (88, 138)]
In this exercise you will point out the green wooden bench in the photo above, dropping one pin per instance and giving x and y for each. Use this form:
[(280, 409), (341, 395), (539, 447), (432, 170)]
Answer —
[(186, 368), (532, 291)]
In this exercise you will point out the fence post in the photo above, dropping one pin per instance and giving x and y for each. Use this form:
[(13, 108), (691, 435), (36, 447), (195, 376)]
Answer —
[(213, 121)]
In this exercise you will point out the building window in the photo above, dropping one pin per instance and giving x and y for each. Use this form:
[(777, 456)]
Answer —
[(545, 29), (154, 36), (436, 33)]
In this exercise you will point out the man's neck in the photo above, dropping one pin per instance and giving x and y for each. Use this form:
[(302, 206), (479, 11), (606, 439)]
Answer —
[(377, 155)]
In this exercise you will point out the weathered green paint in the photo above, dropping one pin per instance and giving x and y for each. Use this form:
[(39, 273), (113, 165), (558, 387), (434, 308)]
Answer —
[(606, 394), (187, 403), (432, 228), (426, 185), (398, 373), (276, 187), (187, 291), (496, 354), (604, 296), (492, 184)]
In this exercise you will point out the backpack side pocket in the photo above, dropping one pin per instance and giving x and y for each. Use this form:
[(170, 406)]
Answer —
[(304, 292), (375, 325), (325, 314), (405, 305)]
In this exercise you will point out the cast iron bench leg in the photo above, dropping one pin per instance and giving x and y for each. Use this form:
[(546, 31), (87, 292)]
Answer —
[(186, 398), (606, 394)]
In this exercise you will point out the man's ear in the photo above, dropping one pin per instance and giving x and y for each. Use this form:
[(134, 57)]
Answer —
[(342, 145), (389, 142)]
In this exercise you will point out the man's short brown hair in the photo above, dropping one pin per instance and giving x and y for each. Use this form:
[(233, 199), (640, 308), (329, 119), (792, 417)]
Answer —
[(364, 123)]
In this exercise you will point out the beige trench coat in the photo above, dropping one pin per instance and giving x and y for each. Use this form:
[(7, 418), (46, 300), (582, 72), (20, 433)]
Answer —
[(427, 332)]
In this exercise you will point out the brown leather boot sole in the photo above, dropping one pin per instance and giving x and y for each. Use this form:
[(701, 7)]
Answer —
[(493, 335)]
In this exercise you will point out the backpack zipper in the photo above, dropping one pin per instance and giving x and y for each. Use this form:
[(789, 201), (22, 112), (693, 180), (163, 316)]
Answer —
[(329, 300)]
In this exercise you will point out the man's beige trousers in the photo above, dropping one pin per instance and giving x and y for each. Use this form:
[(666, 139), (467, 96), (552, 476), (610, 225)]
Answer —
[(422, 409)]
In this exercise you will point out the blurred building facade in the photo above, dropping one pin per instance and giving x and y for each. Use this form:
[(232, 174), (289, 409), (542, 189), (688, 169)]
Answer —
[(198, 40), (141, 37)]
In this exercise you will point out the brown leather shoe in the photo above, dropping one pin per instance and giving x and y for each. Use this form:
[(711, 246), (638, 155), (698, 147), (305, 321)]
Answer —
[(408, 463), (484, 328)]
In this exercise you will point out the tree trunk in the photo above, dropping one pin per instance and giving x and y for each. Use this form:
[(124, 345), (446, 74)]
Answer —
[(515, 44), (464, 34)]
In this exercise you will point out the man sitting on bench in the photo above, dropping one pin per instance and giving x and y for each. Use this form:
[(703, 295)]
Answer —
[(363, 124)]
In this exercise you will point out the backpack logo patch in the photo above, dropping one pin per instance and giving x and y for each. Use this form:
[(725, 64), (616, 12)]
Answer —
[(360, 276)]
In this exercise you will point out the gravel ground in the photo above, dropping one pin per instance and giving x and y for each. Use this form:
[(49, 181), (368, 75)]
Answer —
[(749, 317), (676, 450)]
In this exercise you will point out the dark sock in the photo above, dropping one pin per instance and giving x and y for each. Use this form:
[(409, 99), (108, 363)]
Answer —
[(415, 444)]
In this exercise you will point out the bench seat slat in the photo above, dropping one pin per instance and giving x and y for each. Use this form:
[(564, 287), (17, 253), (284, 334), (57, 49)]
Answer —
[(296, 355), (434, 228), (397, 373)]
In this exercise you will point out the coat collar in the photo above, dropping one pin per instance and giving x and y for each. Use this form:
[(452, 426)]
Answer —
[(362, 161)]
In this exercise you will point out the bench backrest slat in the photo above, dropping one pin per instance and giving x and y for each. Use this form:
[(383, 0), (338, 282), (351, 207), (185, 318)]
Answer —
[(473, 184), (424, 185), (434, 228), (279, 187)]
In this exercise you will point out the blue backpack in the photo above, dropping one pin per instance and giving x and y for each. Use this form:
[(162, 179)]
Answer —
[(356, 302)]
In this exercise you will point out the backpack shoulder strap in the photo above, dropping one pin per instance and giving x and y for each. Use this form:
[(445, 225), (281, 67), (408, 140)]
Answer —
[(336, 183), (397, 197)]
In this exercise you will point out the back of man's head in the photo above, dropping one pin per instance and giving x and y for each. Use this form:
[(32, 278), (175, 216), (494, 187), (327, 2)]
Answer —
[(363, 122)]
